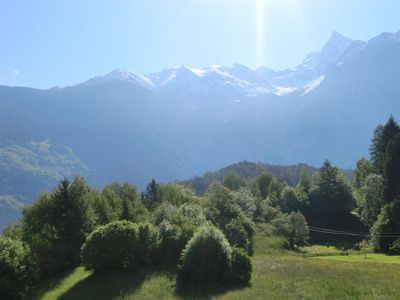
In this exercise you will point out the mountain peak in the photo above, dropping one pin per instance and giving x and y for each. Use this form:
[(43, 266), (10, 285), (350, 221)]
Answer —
[(240, 66), (121, 75), (337, 38), (335, 48), (337, 35), (386, 36)]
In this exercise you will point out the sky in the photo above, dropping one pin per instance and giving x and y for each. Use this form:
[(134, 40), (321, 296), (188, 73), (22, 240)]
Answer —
[(46, 43)]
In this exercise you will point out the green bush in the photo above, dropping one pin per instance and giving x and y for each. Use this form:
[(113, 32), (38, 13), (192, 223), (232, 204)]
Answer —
[(171, 242), (241, 267), (388, 221), (148, 241), (111, 246), (16, 269), (120, 245), (206, 258), (395, 247), (293, 227), (177, 226), (239, 233)]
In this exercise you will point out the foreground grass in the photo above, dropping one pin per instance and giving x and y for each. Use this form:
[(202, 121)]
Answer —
[(147, 283), (277, 274), (56, 287)]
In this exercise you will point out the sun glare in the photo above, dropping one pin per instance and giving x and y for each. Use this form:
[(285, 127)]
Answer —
[(270, 14)]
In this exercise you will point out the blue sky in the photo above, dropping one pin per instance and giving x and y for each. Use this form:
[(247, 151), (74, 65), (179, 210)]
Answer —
[(48, 43)]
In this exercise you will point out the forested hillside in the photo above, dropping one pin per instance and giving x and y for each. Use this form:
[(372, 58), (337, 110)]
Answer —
[(250, 170), (29, 169)]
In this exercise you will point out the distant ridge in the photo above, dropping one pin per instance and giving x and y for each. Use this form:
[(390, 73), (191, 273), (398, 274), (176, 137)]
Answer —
[(249, 170)]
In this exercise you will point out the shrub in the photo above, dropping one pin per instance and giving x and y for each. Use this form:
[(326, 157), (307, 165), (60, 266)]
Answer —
[(239, 232), (388, 221), (171, 244), (111, 246), (206, 257), (293, 227), (40, 235), (209, 259), (120, 245), (176, 194), (265, 213), (395, 247), (365, 247), (177, 226), (165, 211), (246, 201), (16, 269), (241, 267), (148, 240)]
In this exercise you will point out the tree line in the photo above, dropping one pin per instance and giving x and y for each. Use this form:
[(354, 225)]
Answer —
[(377, 187), (118, 228)]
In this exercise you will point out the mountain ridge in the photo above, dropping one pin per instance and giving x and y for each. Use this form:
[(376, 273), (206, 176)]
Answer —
[(261, 80), (241, 78), (302, 79)]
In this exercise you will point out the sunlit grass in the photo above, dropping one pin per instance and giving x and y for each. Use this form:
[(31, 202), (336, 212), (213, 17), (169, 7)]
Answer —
[(320, 250), (55, 287)]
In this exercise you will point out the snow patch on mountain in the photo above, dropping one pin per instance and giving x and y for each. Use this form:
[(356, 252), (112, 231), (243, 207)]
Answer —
[(313, 84), (212, 78), (280, 91)]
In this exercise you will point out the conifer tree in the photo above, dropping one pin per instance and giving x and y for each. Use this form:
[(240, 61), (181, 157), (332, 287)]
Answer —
[(391, 169), (151, 195), (382, 136)]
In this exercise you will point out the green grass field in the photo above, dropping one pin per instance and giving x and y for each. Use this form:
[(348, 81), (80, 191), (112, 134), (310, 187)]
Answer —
[(373, 257), (278, 274)]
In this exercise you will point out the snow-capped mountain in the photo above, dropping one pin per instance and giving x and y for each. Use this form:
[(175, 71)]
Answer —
[(236, 79), (121, 75), (241, 80), (313, 69)]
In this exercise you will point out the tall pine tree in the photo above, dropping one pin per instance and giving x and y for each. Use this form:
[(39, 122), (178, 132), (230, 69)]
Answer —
[(151, 195), (330, 196), (68, 220), (380, 141), (391, 169)]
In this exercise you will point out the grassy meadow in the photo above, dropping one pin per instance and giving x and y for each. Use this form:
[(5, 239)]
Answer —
[(278, 274), (371, 258)]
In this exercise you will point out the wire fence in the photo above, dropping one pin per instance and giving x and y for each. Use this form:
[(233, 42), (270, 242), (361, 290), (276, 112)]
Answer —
[(349, 233)]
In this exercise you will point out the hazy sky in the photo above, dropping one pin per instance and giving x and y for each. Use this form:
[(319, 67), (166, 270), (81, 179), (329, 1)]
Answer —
[(54, 42)]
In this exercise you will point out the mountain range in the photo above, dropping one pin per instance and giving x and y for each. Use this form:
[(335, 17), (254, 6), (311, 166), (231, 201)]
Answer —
[(238, 79), (184, 121)]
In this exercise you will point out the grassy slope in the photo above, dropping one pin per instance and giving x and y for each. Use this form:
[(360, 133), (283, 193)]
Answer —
[(277, 275)]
